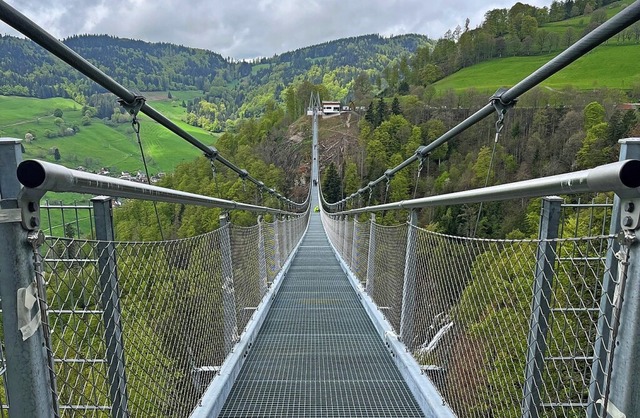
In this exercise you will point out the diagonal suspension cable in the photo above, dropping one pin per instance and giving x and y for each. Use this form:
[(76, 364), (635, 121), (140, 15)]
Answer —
[(27, 27), (506, 98)]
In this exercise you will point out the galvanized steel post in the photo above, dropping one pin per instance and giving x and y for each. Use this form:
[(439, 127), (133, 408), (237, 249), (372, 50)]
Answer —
[(346, 240), (540, 307), (409, 287), (353, 244), (276, 243), (285, 239), (629, 149), (228, 289), (262, 260), (623, 397), (340, 237), (110, 299), (371, 263), (290, 234), (29, 389)]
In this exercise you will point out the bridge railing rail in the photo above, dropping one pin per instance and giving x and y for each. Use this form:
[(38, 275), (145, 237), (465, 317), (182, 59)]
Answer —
[(124, 328), (513, 327)]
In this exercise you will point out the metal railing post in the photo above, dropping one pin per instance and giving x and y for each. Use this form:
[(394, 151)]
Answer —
[(228, 289), (262, 259), (371, 262), (619, 396), (289, 235), (285, 237), (353, 244), (540, 307), (276, 243), (345, 240), (409, 287), (629, 149), (338, 223), (29, 390), (110, 299)]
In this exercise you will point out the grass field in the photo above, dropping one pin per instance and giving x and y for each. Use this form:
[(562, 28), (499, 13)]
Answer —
[(100, 144), (579, 23), (612, 66)]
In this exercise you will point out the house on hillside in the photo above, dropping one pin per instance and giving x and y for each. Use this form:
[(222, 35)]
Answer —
[(330, 108)]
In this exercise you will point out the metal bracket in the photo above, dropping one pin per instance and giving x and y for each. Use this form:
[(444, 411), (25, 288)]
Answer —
[(213, 154), (630, 214), (134, 106), (500, 105), (420, 152), (29, 204)]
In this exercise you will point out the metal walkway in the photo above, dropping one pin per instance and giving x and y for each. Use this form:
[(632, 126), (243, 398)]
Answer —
[(318, 354)]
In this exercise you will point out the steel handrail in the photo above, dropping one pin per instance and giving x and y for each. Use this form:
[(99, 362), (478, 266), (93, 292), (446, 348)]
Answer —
[(622, 177), (43, 176)]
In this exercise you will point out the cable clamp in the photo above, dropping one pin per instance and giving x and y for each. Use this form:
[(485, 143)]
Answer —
[(134, 106), (212, 154), (501, 107)]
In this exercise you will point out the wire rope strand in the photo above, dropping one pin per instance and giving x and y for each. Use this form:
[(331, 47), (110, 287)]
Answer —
[(136, 128)]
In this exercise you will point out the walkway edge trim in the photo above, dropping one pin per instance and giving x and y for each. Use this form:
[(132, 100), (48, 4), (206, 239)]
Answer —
[(219, 389), (426, 394)]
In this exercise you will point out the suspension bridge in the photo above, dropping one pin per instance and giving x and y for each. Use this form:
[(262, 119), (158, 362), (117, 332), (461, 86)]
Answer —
[(328, 313)]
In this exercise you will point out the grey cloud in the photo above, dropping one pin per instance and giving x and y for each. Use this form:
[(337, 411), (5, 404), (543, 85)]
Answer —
[(252, 28)]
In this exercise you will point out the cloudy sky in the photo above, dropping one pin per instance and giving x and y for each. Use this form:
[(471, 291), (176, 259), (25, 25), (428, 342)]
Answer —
[(247, 29)]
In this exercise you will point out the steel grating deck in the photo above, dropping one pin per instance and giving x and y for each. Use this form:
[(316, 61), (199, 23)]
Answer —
[(318, 354)]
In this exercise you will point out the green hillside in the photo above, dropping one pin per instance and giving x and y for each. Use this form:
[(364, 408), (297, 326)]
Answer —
[(100, 144), (580, 23), (612, 66)]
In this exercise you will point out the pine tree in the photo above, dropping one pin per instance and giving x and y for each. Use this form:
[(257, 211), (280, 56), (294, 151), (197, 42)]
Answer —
[(381, 112), (370, 116), (395, 107), (331, 184)]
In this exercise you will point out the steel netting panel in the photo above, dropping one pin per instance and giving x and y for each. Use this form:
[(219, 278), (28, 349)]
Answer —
[(388, 280), (348, 242), (361, 250), (172, 323), (77, 328), (473, 319), (271, 257), (246, 277), (282, 240)]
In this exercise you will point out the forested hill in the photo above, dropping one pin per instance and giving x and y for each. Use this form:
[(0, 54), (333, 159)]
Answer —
[(359, 51), (28, 70)]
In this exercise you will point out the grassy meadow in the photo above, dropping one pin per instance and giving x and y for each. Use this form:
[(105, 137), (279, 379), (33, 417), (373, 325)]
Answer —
[(612, 66), (99, 144)]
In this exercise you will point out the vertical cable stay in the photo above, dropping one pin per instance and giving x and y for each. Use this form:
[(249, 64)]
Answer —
[(133, 108), (502, 110), (415, 188)]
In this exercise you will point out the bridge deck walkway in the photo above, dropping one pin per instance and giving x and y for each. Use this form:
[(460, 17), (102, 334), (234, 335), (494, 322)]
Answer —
[(318, 353)]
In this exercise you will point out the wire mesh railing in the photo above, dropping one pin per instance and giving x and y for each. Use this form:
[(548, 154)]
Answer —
[(504, 328), (71, 221), (168, 323)]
